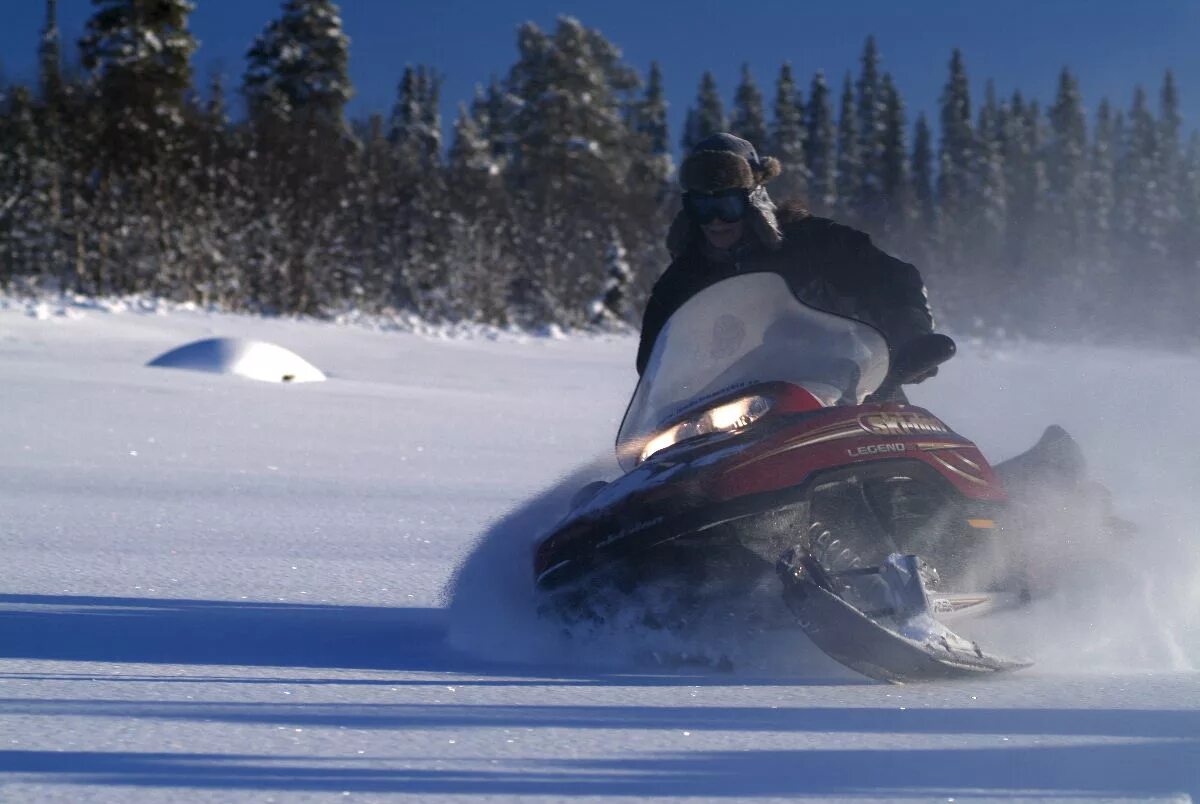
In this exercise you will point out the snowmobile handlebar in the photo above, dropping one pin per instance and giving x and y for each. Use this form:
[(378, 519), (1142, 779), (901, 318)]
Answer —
[(918, 359)]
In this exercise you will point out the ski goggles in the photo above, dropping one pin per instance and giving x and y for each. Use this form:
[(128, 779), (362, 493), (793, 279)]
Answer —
[(728, 205)]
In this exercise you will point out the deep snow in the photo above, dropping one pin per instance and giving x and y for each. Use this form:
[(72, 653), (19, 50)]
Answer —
[(221, 588)]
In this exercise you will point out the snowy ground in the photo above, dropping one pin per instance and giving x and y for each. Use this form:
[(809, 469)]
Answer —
[(223, 589)]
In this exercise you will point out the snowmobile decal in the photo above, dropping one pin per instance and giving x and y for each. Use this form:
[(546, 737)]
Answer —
[(890, 424)]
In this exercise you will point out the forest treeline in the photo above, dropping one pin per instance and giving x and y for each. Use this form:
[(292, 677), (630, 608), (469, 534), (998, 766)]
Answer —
[(548, 198)]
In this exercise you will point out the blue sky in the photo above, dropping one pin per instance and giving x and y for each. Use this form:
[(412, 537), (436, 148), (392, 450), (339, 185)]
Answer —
[(1019, 43)]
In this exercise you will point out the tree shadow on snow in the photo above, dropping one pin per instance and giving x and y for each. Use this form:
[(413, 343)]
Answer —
[(1083, 771)]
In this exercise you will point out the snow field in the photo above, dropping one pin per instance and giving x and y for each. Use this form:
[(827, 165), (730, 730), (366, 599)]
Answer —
[(230, 590)]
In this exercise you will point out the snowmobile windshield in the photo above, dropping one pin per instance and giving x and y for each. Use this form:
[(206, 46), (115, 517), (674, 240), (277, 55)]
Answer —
[(743, 332)]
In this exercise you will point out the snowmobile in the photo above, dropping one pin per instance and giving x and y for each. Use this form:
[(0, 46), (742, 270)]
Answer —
[(760, 450)]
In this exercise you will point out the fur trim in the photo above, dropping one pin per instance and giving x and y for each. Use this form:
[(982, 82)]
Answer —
[(792, 211), (714, 171), (768, 168), (762, 220)]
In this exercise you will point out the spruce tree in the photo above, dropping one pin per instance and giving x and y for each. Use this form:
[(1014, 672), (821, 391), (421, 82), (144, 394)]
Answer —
[(956, 201), (820, 147), (415, 125), (922, 179), (787, 136), (894, 187), (869, 202), (1066, 166), (1100, 189), (990, 220), (708, 115), (139, 53), (470, 153), (849, 165), (1139, 221), (298, 67), (569, 129), (653, 165), (50, 56), (1169, 181), (749, 117)]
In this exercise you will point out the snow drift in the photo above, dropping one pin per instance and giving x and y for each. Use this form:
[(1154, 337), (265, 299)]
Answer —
[(255, 360)]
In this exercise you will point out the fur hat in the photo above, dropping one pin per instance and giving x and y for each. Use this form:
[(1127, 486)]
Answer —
[(725, 162)]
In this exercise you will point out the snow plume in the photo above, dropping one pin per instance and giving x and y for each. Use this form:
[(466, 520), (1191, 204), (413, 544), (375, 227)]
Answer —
[(494, 610), (492, 601), (1103, 602)]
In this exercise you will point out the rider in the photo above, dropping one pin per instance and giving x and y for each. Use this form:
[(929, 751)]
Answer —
[(729, 225)]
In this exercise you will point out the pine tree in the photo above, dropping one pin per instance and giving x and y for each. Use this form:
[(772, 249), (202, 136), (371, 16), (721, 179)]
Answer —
[(611, 306), (849, 165), (50, 56), (415, 125), (652, 165), (788, 136), (868, 201), (922, 179), (749, 117), (298, 67), (1169, 181), (820, 147), (1027, 193), (1100, 189), (956, 201), (470, 156), (139, 52), (990, 220), (569, 129), (708, 115), (893, 169), (1066, 164), (1139, 221)]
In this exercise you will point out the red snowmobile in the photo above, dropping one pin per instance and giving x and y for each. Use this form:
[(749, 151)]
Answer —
[(754, 456)]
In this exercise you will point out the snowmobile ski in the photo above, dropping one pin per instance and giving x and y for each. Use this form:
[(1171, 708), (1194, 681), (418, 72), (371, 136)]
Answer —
[(898, 641)]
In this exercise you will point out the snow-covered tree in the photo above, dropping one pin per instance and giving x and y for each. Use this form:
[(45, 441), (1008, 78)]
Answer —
[(922, 180), (1171, 167), (956, 168), (1066, 166), (820, 146), (1139, 221), (868, 203), (611, 307), (139, 53), (569, 129), (707, 117), (749, 115), (470, 152), (50, 56), (298, 67), (894, 189), (1101, 192), (653, 165), (787, 140), (990, 214), (415, 126), (849, 162)]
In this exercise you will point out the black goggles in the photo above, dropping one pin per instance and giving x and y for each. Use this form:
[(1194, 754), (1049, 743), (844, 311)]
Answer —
[(729, 206)]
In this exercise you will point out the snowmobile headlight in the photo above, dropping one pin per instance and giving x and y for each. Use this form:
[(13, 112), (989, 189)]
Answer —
[(723, 418)]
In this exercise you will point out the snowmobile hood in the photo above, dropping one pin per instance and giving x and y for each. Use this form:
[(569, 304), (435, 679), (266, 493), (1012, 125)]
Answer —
[(743, 332)]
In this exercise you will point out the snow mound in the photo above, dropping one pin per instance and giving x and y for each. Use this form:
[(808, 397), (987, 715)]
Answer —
[(255, 360)]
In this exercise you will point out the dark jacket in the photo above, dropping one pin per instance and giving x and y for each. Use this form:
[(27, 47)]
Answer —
[(828, 266)]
